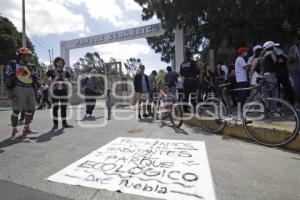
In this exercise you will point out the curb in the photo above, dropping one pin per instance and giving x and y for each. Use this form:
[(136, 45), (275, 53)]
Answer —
[(239, 132)]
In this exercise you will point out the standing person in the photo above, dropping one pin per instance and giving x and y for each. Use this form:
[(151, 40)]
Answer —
[(45, 93), (189, 71), (58, 77), (219, 75), (294, 68), (170, 80), (224, 68), (254, 62), (180, 88), (268, 71), (152, 81), (232, 80), (241, 75), (282, 73), (208, 80), (90, 87), (141, 86), (22, 82)]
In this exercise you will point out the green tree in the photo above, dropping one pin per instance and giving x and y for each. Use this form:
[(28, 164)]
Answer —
[(132, 65), (11, 40), (161, 79), (88, 62), (238, 22)]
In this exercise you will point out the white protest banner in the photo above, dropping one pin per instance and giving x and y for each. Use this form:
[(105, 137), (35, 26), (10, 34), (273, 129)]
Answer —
[(165, 169)]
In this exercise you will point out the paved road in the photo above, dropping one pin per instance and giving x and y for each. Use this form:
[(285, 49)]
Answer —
[(240, 170)]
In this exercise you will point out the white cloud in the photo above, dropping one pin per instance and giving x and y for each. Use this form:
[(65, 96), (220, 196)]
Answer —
[(44, 17), (122, 52), (131, 5), (109, 10)]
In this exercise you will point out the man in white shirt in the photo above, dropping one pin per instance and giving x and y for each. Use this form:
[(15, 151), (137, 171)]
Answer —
[(241, 74)]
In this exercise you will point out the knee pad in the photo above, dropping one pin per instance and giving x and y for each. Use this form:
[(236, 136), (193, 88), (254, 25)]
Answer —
[(15, 113), (28, 112)]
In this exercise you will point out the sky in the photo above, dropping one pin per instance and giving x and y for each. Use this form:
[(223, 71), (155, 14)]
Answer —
[(50, 21)]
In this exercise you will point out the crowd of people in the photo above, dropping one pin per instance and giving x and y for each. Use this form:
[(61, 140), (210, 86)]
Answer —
[(268, 61)]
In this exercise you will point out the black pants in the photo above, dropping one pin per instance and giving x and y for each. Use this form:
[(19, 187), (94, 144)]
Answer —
[(287, 88), (242, 97), (63, 109), (46, 100), (90, 101), (190, 86)]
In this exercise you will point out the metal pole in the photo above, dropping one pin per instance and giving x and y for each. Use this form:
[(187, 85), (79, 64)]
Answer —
[(23, 25), (52, 54), (50, 57)]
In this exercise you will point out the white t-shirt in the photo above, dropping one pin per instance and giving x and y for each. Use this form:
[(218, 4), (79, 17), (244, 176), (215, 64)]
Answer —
[(240, 70), (225, 70)]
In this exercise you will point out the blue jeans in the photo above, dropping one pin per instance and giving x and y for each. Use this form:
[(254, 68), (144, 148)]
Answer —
[(270, 90), (296, 78)]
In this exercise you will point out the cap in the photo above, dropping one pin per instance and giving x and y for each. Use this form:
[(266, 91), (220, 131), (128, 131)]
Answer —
[(270, 44), (241, 50), (24, 51), (257, 47)]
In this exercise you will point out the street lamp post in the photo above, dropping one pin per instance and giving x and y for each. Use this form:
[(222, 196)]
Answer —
[(23, 25)]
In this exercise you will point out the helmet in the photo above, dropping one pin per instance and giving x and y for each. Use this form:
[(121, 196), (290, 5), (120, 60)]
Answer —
[(270, 44), (24, 51)]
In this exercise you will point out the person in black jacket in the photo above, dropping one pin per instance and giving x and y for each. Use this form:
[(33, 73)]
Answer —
[(141, 86), (189, 70), (58, 79)]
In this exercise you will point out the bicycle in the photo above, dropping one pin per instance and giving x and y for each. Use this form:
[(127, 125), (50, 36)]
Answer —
[(164, 106), (260, 121)]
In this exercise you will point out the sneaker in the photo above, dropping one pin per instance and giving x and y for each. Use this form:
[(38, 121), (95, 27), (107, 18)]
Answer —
[(145, 115), (54, 128), (14, 133), (27, 131), (65, 125)]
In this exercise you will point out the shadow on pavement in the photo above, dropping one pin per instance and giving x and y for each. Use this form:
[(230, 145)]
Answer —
[(87, 119), (47, 136), (147, 120), (178, 130), (9, 142)]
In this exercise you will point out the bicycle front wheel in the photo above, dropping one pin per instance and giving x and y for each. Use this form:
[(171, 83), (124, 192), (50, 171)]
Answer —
[(211, 113), (271, 122), (176, 115)]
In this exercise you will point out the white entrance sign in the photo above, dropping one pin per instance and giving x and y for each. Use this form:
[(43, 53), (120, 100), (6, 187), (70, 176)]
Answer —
[(165, 169), (123, 35)]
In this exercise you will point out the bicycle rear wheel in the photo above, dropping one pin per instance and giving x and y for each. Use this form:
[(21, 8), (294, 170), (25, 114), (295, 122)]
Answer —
[(210, 113), (271, 122), (176, 115)]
